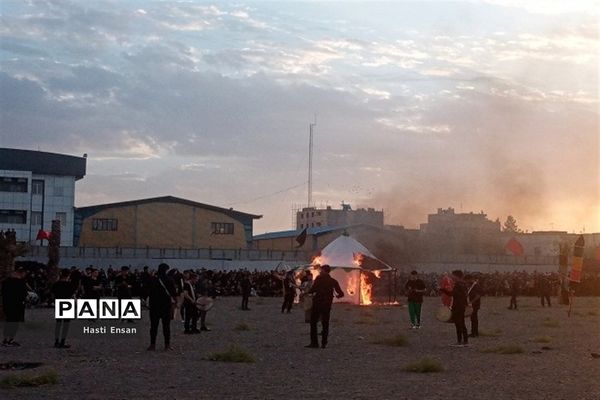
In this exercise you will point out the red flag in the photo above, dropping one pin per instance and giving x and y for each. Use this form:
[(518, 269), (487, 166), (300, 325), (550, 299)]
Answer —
[(42, 234), (515, 247)]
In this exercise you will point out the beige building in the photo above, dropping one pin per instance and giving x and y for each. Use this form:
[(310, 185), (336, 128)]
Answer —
[(312, 217), (163, 222)]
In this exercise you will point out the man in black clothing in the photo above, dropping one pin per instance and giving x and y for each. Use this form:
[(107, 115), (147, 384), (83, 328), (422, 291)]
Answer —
[(459, 302), (62, 289), (14, 293), (323, 288), (162, 297), (545, 290), (289, 292), (513, 286), (246, 288), (475, 293)]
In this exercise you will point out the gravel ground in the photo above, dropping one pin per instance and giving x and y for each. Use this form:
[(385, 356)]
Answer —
[(352, 367)]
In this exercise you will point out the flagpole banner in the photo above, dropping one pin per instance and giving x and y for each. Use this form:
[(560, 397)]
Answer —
[(577, 268)]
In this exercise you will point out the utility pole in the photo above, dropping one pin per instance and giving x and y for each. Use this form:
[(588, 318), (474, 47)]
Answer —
[(310, 160)]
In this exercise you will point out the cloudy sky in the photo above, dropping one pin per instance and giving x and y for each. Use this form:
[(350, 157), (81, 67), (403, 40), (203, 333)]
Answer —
[(476, 105)]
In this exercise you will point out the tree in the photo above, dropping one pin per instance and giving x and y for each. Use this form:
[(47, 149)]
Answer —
[(510, 225)]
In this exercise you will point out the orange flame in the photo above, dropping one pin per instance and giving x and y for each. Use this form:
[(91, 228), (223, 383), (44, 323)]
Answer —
[(365, 290), (351, 286), (318, 260), (377, 274)]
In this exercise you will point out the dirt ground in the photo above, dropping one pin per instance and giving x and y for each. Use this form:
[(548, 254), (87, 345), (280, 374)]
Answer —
[(352, 367)]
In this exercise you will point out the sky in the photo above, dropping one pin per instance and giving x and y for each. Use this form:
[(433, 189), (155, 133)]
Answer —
[(477, 105)]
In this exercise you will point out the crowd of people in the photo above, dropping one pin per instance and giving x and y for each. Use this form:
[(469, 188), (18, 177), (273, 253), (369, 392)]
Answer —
[(170, 293)]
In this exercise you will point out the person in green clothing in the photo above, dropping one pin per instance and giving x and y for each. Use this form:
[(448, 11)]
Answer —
[(415, 288)]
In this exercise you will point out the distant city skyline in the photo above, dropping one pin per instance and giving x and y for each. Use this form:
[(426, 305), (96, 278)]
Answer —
[(477, 105)]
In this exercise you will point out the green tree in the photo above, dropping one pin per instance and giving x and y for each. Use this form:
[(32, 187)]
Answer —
[(510, 225)]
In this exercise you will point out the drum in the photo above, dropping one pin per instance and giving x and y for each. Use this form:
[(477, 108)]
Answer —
[(468, 310), (443, 314), (204, 303)]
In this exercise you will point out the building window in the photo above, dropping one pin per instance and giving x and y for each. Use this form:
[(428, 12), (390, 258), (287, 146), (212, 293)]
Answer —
[(58, 191), (105, 224), (221, 228), (318, 213), (37, 186), (318, 224), (13, 185), (13, 217), (62, 217), (36, 218)]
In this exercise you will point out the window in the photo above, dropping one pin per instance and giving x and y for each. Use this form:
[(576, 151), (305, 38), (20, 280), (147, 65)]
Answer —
[(58, 191), (222, 228), (318, 224), (36, 218), (13, 185), (37, 186), (13, 217), (62, 217), (105, 224)]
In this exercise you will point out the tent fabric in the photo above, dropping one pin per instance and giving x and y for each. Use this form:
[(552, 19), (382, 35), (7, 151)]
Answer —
[(343, 251)]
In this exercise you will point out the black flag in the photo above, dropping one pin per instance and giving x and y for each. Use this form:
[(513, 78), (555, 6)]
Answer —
[(301, 238)]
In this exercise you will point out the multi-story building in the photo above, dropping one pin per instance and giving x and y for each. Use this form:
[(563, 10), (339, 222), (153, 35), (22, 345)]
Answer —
[(312, 217), (35, 188), (447, 232)]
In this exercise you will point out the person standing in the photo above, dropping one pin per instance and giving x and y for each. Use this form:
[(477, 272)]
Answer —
[(545, 289), (475, 292), (189, 303), (62, 289), (246, 289), (459, 295), (14, 293), (513, 287), (162, 297), (323, 288), (415, 288), (289, 292), (305, 298)]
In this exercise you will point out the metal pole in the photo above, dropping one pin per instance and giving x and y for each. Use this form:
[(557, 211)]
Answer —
[(310, 162)]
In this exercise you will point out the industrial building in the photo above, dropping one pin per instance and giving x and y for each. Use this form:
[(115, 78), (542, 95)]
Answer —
[(37, 187), (163, 222)]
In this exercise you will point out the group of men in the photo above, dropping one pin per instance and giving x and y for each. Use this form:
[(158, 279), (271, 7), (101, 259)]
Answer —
[(465, 292)]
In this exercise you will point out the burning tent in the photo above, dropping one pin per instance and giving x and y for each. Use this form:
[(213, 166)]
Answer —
[(352, 265)]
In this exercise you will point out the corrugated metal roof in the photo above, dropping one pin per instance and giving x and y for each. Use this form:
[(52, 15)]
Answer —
[(165, 199), (295, 232)]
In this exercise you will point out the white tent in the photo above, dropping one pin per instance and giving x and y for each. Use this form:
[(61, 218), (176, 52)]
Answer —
[(347, 257)]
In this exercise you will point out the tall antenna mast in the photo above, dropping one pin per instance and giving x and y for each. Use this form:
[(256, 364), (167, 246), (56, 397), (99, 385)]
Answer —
[(310, 160)]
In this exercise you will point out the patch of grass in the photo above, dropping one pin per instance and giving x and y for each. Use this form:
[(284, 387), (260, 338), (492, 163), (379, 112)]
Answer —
[(15, 381), (424, 365), (394, 341), (490, 333), (551, 323), (506, 349), (234, 354), (242, 327), (542, 339)]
